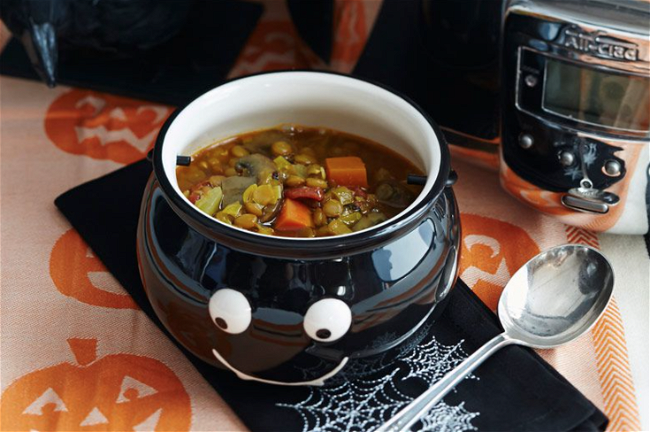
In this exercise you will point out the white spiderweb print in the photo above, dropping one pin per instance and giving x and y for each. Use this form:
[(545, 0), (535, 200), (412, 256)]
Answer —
[(350, 405), (359, 402), (425, 360)]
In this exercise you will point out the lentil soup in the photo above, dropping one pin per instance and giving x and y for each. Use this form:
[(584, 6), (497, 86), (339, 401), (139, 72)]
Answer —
[(298, 181)]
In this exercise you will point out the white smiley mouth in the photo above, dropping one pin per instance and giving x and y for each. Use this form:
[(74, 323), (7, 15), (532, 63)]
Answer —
[(316, 382)]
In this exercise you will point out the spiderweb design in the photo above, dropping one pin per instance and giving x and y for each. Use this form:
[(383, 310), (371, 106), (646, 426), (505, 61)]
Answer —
[(425, 360), (350, 405), (369, 391)]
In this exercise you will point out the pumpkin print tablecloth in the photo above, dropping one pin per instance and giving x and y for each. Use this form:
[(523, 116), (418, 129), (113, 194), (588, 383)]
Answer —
[(71, 339)]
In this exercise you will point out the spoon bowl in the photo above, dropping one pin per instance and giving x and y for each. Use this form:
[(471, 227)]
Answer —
[(556, 296)]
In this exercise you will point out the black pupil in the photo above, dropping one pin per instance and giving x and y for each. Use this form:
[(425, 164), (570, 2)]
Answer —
[(323, 333), (221, 323)]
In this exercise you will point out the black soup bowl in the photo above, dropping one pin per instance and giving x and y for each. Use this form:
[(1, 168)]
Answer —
[(293, 311)]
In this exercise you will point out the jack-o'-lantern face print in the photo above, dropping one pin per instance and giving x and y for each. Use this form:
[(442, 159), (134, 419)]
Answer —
[(103, 126), (78, 273), (491, 252), (118, 392)]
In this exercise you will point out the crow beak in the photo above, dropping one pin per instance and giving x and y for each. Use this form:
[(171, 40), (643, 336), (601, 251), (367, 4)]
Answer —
[(40, 43)]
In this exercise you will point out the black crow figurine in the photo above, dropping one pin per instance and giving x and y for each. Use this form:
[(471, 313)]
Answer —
[(118, 27)]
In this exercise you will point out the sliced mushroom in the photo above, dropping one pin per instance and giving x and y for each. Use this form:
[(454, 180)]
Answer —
[(233, 188), (256, 165)]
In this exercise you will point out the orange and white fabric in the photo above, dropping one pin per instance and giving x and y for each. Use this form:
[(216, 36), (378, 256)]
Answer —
[(77, 353)]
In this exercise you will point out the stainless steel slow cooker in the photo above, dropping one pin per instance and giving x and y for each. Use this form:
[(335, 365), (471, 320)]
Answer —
[(576, 110)]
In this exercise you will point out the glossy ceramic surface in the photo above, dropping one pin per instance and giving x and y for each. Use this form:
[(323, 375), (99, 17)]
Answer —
[(390, 290), (293, 311)]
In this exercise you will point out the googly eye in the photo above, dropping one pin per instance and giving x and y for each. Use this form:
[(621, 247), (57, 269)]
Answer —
[(327, 320), (230, 310)]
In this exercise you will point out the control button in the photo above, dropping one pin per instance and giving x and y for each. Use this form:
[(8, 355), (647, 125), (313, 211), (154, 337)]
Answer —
[(612, 168), (584, 205), (526, 141), (567, 158), (531, 80)]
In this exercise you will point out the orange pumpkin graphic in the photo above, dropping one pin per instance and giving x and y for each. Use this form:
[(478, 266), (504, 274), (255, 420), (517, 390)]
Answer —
[(354, 20), (118, 392), (491, 252), (103, 126), (77, 273)]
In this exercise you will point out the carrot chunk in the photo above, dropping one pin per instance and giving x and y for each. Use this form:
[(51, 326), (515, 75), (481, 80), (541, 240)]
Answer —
[(347, 171), (293, 216)]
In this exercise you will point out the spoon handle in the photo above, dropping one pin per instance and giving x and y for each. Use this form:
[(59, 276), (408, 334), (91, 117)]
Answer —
[(407, 416)]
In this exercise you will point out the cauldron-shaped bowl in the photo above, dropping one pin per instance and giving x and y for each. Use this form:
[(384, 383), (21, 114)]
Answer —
[(293, 311)]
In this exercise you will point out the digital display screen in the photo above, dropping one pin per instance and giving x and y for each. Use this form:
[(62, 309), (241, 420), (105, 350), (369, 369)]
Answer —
[(600, 98)]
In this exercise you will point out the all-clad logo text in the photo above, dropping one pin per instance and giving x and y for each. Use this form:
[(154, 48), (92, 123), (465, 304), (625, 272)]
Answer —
[(599, 45)]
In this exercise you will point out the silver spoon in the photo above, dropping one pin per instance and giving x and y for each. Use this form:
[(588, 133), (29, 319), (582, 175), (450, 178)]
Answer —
[(553, 299)]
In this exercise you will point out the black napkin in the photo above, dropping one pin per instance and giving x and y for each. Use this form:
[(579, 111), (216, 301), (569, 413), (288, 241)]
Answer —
[(513, 390)]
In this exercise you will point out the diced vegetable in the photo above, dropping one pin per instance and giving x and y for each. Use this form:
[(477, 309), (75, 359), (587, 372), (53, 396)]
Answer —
[(210, 202), (351, 219), (344, 195), (233, 209), (324, 231), (293, 216), (301, 170), (306, 232), (347, 171), (305, 192), (277, 194), (282, 163), (371, 219), (337, 227), (247, 196), (225, 218)]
